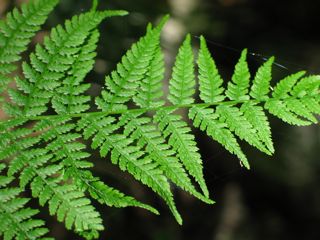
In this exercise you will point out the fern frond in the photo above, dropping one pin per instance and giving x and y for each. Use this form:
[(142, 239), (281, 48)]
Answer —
[(182, 82), (261, 82), (102, 192), (239, 87), (53, 63), (16, 220), (64, 200), (292, 97), (151, 142), (210, 81), (14, 140), (207, 120), (16, 32), (69, 97), (128, 156), (65, 148), (123, 83), (148, 137), (279, 109), (40, 168), (182, 141), (151, 86), (259, 121), (285, 85), (237, 123)]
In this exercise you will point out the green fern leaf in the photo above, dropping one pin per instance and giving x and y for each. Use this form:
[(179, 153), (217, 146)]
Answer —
[(312, 104), (123, 83), (259, 121), (16, 32), (129, 157), (182, 83), (307, 86), (65, 148), (237, 123), (261, 82), (13, 141), (151, 85), (285, 85), (239, 87), (49, 64), (292, 98), (182, 141), (208, 121), (47, 154), (150, 138), (68, 203), (209, 79), (297, 107), (16, 220), (70, 96), (279, 109), (102, 192)]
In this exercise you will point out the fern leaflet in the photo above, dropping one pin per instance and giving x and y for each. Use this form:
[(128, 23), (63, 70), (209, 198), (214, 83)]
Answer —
[(16, 32)]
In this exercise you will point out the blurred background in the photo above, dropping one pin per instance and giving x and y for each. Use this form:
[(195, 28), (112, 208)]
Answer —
[(280, 197)]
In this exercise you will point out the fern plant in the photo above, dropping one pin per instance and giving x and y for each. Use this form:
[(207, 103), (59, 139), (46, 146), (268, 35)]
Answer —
[(42, 141)]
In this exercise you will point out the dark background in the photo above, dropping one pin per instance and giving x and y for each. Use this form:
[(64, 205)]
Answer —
[(280, 197)]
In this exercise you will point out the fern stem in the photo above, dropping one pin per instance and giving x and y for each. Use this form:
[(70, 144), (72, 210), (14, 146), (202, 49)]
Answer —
[(139, 110)]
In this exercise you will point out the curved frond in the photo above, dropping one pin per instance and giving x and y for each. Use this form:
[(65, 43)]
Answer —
[(65, 147)]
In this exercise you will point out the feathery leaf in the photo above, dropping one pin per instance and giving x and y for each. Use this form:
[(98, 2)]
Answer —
[(182, 82), (123, 83), (239, 87), (17, 30), (210, 82)]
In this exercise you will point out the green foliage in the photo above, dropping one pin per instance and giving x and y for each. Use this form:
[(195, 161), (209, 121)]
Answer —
[(17, 31), (43, 143), (123, 83), (16, 220), (182, 83)]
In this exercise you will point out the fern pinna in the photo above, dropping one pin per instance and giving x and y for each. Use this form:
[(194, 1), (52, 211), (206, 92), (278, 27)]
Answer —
[(133, 126)]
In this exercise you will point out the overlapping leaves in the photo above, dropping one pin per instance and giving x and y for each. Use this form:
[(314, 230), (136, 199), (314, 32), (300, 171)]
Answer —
[(135, 128)]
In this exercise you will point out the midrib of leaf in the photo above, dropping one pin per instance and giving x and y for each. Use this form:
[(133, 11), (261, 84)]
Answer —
[(143, 110)]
